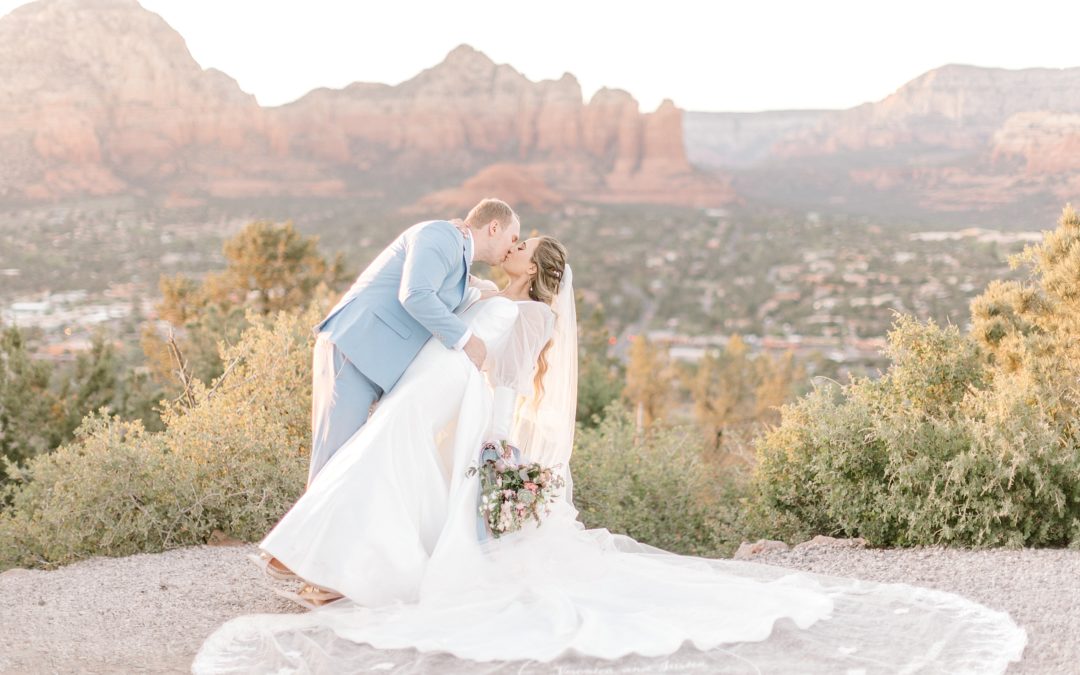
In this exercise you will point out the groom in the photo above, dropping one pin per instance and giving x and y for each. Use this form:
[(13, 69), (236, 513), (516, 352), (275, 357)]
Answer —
[(405, 296)]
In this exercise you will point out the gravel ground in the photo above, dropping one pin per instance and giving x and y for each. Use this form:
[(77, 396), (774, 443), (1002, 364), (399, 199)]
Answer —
[(150, 613)]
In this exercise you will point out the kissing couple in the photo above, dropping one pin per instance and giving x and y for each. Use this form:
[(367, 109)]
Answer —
[(385, 542)]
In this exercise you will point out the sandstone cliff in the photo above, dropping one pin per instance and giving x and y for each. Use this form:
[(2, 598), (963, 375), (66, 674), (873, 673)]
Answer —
[(956, 139), (102, 97), (957, 108)]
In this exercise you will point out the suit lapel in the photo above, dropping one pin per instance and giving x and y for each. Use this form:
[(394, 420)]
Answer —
[(466, 254)]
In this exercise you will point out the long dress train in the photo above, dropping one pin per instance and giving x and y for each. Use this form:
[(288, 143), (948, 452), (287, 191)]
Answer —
[(555, 597)]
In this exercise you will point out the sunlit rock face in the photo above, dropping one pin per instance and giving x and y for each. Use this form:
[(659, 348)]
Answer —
[(103, 97)]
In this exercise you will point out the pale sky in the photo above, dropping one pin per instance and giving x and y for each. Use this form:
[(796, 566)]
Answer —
[(705, 55)]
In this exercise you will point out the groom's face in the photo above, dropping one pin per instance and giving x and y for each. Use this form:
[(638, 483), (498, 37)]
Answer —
[(503, 240)]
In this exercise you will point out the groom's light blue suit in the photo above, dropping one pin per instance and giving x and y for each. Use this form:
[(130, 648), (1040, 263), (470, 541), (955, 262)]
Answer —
[(405, 296)]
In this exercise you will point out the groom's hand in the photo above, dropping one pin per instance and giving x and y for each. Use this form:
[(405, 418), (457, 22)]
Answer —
[(476, 350)]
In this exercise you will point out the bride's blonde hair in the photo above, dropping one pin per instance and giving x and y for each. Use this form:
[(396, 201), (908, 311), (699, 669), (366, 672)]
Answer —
[(550, 259)]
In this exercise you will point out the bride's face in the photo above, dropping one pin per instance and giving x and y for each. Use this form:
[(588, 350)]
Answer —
[(519, 261)]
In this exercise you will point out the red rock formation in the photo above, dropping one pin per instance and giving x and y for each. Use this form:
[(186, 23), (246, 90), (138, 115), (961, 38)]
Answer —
[(102, 97), (469, 111), (99, 94), (661, 173), (516, 184), (662, 137), (613, 129), (954, 107), (623, 157), (958, 138), (1048, 143)]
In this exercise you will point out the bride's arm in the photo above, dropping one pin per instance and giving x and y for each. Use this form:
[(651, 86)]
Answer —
[(512, 372), (477, 289), (486, 287)]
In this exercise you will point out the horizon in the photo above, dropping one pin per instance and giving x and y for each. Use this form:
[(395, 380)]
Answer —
[(335, 46)]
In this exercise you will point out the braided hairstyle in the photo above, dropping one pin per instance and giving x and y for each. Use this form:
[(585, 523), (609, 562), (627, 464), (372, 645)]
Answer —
[(550, 259)]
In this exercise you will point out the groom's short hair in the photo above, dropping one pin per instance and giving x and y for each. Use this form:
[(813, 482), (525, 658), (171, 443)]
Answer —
[(488, 210)]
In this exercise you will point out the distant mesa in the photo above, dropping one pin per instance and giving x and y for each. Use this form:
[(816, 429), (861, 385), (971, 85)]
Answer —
[(957, 139), (955, 107)]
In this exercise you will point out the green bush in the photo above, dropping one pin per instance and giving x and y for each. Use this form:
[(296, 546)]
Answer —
[(820, 471), (968, 439), (1008, 478), (655, 486), (232, 457)]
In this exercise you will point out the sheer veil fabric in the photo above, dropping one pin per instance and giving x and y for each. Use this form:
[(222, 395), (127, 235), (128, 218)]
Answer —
[(559, 596)]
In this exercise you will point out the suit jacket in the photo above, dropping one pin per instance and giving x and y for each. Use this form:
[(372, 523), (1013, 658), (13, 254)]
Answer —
[(405, 296)]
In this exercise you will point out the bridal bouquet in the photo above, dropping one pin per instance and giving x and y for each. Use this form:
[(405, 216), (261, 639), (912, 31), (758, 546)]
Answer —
[(511, 493)]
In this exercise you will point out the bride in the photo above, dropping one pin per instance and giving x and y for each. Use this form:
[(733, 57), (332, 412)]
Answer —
[(390, 523)]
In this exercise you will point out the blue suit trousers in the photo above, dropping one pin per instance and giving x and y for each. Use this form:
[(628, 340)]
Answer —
[(341, 400)]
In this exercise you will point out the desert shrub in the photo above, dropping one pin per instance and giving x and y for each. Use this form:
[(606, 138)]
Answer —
[(270, 267), (968, 439), (1009, 477), (820, 470), (904, 464), (232, 457), (655, 486)]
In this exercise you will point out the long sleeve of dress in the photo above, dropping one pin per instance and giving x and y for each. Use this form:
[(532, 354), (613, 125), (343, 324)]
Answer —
[(511, 371)]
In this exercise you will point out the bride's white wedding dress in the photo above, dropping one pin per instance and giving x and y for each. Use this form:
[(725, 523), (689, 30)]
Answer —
[(390, 522)]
